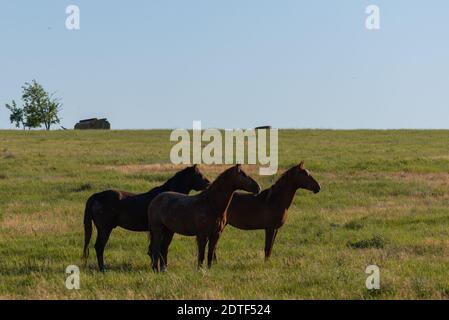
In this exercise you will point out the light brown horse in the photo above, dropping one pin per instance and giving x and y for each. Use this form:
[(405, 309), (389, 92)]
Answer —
[(268, 210), (202, 215)]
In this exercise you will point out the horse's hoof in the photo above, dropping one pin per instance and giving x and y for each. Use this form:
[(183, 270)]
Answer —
[(199, 268), (164, 269)]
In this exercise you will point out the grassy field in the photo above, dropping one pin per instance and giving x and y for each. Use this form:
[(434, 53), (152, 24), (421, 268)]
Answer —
[(384, 201)]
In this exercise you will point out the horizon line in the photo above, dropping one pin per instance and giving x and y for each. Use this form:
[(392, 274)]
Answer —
[(253, 128)]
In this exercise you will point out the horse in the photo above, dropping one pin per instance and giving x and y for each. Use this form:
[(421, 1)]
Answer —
[(202, 215), (269, 209), (113, 208)]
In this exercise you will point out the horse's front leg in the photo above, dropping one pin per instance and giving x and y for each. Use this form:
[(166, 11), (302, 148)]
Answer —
[(270, 236), (201, 242), (166, 240), (213, 239), (154, 249)]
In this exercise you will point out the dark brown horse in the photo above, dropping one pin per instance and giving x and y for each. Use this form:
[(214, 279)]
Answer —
[(268, 210), (110, 209), (202, 215)]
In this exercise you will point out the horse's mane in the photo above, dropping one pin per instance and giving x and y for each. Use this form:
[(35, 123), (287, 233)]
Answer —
[(218, 179), (158, 188), (175, 176), (166, 184), (278, 186)]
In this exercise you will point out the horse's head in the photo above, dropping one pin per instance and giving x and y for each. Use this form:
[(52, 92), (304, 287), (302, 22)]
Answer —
[(189, 179), (244, 182), (304, 180)]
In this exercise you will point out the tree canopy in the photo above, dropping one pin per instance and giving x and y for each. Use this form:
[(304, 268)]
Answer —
[(39, 108)]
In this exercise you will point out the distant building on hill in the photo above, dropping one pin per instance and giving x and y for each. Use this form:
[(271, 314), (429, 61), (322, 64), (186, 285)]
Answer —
[(263, 128), (94, 123)]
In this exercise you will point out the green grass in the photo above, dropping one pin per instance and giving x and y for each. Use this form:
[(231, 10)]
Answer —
[(384, 201)]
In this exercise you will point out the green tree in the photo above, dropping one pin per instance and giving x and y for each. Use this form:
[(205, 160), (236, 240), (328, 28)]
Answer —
[(40, 108), (16, 115), (49, 113)]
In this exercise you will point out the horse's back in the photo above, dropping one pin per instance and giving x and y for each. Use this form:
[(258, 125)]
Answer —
[(162, 202), (110, 196), (119, 208), (169, 201), (174, 211), (167, 196)]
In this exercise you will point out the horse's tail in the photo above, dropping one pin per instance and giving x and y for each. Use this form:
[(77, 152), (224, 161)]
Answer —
[(87, 228)]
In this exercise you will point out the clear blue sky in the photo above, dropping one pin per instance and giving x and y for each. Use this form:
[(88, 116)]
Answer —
[(233, 63)]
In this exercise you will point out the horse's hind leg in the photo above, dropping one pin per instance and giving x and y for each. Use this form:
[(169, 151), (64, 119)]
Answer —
[(166, 240), (102, 238), (201, 242), (270, 236), (211, 251)]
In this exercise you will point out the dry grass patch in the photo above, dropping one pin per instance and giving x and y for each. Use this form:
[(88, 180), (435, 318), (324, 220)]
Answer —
[(168, 167), (37, 223), (442, 244), (442, 157), (382, 208), (435, 179)]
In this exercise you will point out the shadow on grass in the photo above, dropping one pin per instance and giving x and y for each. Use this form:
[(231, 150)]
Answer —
[(83, 187), (376, 242)]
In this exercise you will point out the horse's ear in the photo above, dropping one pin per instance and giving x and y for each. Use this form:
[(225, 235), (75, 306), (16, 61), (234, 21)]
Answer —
[(195, 167), (238, 167), (301, 165)]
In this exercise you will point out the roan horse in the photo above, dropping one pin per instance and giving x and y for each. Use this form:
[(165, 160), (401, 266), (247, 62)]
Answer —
[(268, 210), (110, 209), (202, 215)]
